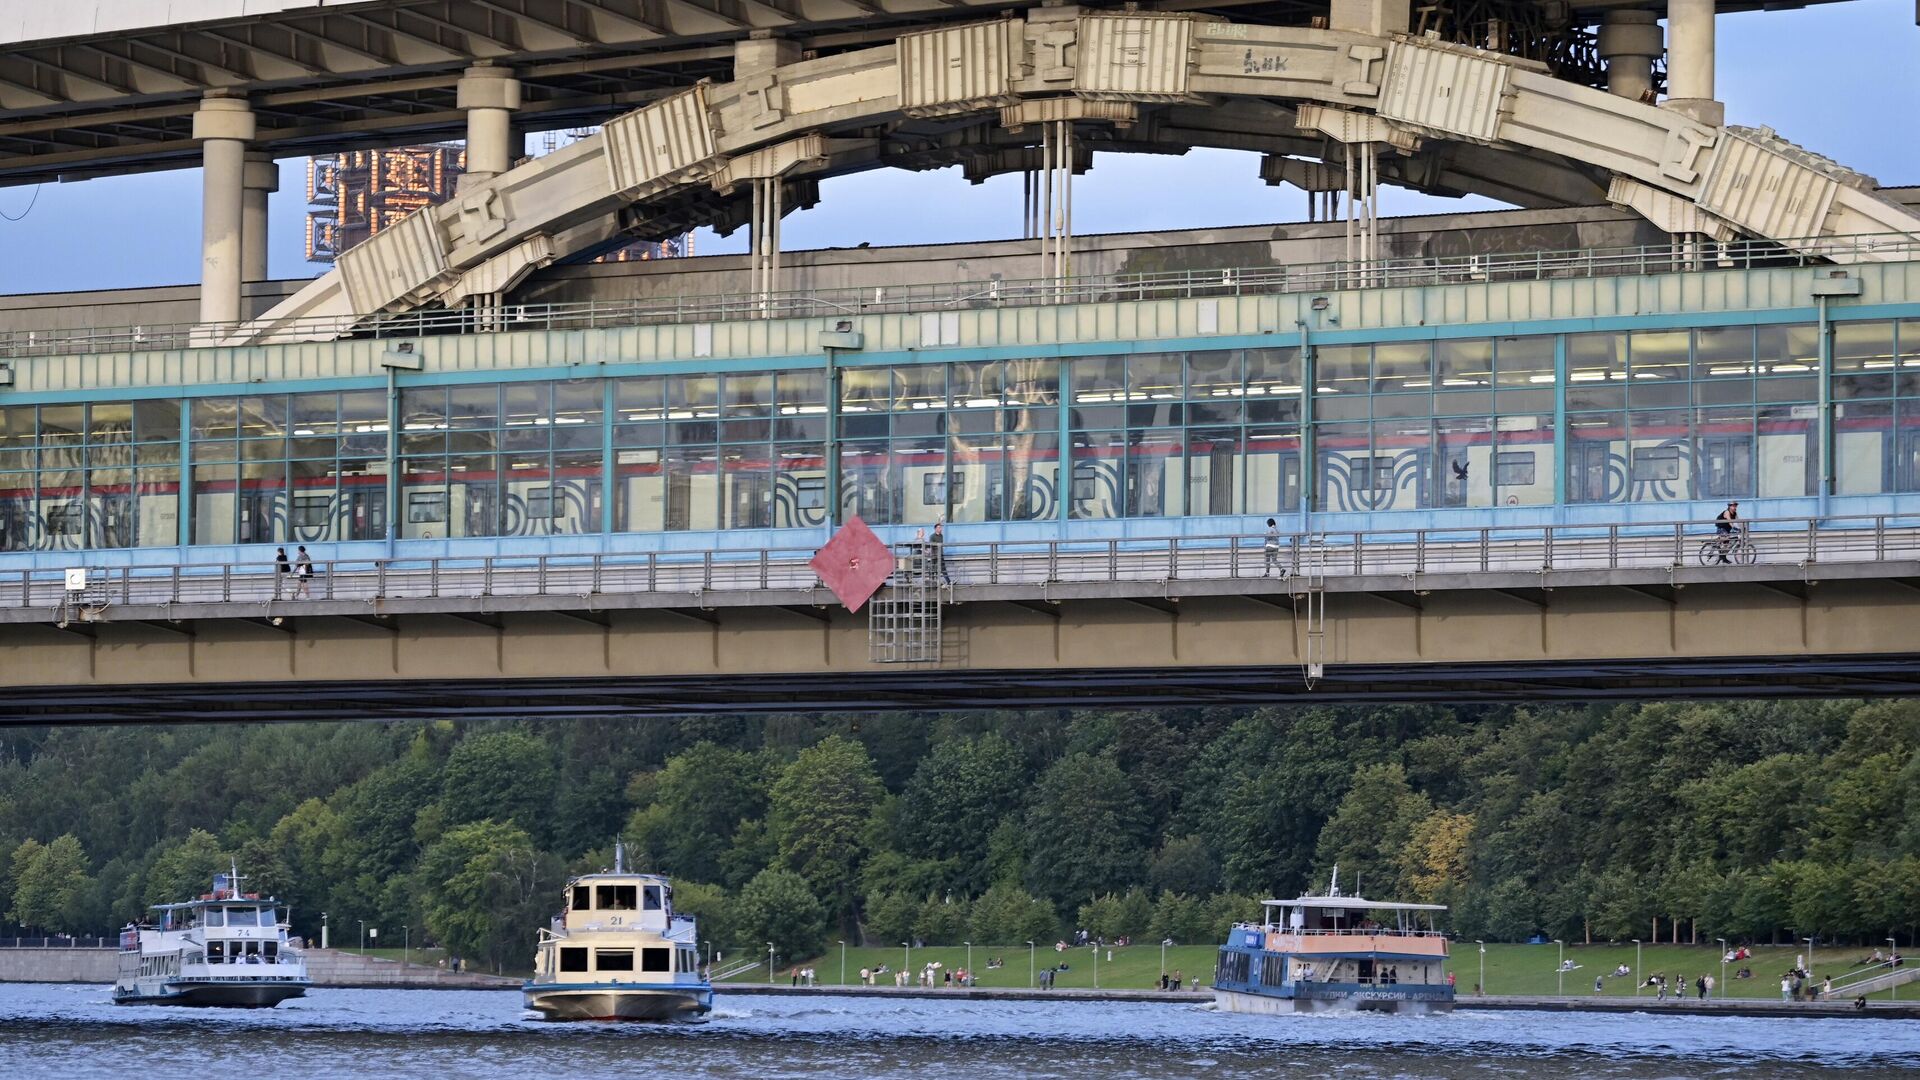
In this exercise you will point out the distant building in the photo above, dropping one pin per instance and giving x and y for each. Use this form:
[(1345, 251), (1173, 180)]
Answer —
[(354, 195)]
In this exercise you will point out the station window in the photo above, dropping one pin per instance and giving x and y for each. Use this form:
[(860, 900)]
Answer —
[(573, 959), (656, 960), (614, 959)]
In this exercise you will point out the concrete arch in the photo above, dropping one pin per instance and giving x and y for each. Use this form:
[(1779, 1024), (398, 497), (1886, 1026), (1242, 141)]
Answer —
[(1455, 118)]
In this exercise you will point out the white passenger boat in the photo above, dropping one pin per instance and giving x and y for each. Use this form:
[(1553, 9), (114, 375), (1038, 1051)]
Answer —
[(618, 952), (1317, 953), (226, 948)]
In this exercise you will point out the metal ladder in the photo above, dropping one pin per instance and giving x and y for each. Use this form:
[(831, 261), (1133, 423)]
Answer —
[(903, 618), (1312, 604)]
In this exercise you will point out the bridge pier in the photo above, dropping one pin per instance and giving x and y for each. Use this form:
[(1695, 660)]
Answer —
[(259, 179), (1690, 51), (1630, 41), (224, 125), (489, 96), (1377, 17)]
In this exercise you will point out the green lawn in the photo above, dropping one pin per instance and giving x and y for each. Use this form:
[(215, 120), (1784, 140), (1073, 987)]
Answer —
[(1510, 969), (419, 954)]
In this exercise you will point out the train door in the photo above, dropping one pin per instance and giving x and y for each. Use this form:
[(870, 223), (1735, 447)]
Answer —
[(1725, 466), (1588, 465), (1907, 461), (365, 512)]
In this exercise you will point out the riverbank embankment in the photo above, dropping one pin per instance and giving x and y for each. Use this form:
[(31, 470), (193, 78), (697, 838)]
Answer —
[(1690, 1007), (327, 967)]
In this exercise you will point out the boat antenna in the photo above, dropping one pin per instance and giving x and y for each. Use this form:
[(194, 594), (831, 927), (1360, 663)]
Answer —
[(619, 856), (1333, 888)]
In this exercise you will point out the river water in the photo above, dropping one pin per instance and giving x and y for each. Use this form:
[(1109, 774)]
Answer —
[(75, 1032)]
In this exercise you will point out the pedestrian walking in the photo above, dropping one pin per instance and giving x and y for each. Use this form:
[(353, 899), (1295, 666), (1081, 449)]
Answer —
[(1272, 549), (280, 570), (303, 572), (937, 552)]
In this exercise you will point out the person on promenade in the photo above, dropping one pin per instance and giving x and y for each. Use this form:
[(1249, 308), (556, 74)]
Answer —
[(1723, 524), (1272, 549), (280, 570), (302, 573), (1786, 988), (937, 552)]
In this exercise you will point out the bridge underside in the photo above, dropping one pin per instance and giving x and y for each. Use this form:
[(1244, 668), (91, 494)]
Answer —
[(943, 690), (1749, 638)]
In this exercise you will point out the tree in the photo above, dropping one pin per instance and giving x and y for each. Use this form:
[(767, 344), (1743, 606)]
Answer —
[(1184, 864), (482, 887), (1434, 862), (942, 920), (1084, 830), (818, 814), (889, 917), (1368, 836), (1180, 919), (185, 868), (777, 906), (501, 776), (694, 806), (709, 904), (1511, 911), (956, 798), (1007, 914), (51, 888)]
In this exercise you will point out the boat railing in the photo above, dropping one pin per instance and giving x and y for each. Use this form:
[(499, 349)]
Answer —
[(1378, 931)]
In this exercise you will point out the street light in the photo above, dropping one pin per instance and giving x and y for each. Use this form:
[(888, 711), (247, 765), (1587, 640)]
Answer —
[(1893, 948), (363, 935), (1560, 974), (1481, 986), (907, 964), (1096, 965), (324, 935), (709, 959), (969, 958), (1636, 967), (1810, 990), (1029, 965), (1723, 964), (843, 963), (406, 945), (769, 963), (1164, 942)]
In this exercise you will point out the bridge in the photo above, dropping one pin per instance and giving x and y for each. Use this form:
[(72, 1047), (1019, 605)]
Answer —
[(1491, 440)]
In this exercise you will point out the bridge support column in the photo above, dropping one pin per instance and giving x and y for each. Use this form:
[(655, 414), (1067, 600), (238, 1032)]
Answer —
[(1690, 61), (765, 240), (1630, 41), (259, 179), (1377, 17), (489, 95), (224, 125), (1056, 200)]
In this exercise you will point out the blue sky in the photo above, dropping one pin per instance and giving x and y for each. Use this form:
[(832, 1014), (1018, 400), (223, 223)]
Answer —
[(1841, 79)]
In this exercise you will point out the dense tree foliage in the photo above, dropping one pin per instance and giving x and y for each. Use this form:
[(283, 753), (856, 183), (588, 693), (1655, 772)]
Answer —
[(1739, 820)]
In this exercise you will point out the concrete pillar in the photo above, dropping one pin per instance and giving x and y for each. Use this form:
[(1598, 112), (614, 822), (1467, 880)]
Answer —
[(760, 53), (1630, 41), (489, 95), (259, 179), (1376, 17), (1690, 61), (224, 126)]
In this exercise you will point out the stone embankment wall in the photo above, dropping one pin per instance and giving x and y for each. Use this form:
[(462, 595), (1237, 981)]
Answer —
[(327, 967)]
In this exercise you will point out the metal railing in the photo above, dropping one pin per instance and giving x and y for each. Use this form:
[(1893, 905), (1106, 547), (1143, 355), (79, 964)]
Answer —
[(59, 942), (1392, 553), (960, 295)]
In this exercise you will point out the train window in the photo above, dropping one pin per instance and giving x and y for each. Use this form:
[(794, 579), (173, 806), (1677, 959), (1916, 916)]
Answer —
[(1372, 473), (1513, 468), (64, 519), (1656, 463), (426, 506), (310, 511), (810, 492), (540, 503), (936, 487)]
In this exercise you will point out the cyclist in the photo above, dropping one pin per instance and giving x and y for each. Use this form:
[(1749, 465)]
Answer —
[(1724, 525)]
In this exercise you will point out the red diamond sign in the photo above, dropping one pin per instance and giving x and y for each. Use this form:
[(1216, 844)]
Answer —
[(854, 564)]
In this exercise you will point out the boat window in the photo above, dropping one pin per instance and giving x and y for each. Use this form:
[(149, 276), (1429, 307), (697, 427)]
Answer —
[(573, 959), (582, 897), (657, 960), (617, 898), (614, 959), (215, 917), (216, 951), (652, 894), (243, 916)]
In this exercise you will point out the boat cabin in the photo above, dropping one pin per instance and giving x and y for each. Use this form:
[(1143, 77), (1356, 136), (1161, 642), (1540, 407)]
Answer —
[(1347, 915), (238, 930), (605, 901)]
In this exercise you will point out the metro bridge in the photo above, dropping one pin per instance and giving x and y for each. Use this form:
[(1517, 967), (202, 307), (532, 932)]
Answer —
[(1496, 437)]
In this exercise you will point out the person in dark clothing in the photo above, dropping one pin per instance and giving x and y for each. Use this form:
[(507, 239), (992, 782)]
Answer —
[(281, 569), (1723, 524)]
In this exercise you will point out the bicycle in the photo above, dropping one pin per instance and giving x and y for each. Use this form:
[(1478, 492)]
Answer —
[(1734, 546)]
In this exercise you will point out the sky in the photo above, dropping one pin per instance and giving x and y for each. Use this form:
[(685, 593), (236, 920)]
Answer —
[(1840, 79)]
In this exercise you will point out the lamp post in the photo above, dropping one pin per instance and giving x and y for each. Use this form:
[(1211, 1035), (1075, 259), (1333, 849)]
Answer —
[(1723, 964), (969, 946), (1560, 973), (406, 945), (1164, 942), (907, 964), (1810, 990), (709, 959), (1481, 986), (1893, 947), (1636, 967), (1029, 965), (1096, 965), (324, 935), (769, 963), (363, 935), (843, 962)]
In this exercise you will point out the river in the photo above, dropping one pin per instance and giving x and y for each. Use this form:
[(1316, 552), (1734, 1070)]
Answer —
[(75, 1032)]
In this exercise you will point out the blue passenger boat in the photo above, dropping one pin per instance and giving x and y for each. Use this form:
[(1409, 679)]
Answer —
[(1322, 953)]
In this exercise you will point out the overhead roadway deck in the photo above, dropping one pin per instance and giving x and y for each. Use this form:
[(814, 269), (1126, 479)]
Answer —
[(110, 86)]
